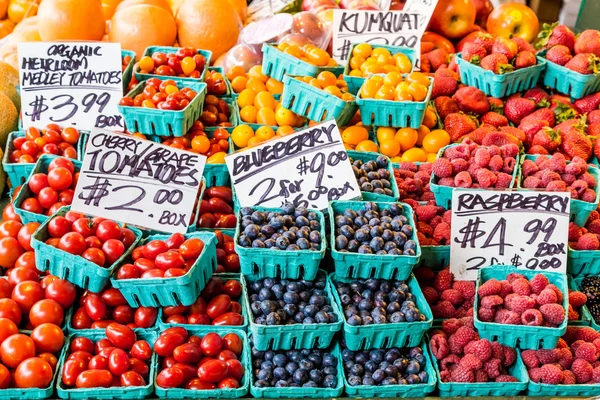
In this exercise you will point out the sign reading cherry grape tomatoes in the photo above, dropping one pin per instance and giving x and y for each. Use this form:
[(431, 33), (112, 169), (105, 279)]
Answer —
[(138, 181)]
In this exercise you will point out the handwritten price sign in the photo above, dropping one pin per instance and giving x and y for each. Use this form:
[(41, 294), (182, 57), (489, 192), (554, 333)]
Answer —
[(72, 83), (528, 230), (309, 168), (138, 181)]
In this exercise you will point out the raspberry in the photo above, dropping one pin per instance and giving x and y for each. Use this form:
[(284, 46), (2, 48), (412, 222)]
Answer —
[(462, 374), (424, 228), (442, 168), (450, 362), (575, 345), (549, 176), (506, 378), (582, 370), (559, 293), (443, 280), (459, 165), (596, 375), (587, 352), (592, 227), (510, 356), (568, 378), (509, 165), (490, 287), (468, 322), (503, 181), (463, 179), (589, 241), (565, 357), (586, 334), (509, 150), (460, 151), (485, 178), (589, 195), (491, 301), (471, 361), (529, 168), (430, 294), (482, 157), (450, 326), (596, 343), (492, 367), (424, 275), (486, 314), (426, 213), (538, 283), (557, 163), (514, 276), (496, 163), (445, 376), (532, 318), (439, 346), (506, 288), (531, 182), (556, 186), (466, 288), (547, 296), (568, 178), (481, 376), (575, 232), (572, 315), (550, 374), (508, 318), (482, 348), (553, 313), (520, 304), (447, 217), (441, 233), (530, 358), (589, 179), (497, 351), (444, 309), (535, 374), (461, 338), (509, 298), (521, 286), (570, 335), (580, 186), (547, 356)]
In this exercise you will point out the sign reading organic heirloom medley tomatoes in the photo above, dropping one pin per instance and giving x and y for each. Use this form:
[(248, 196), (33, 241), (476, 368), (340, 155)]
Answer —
[(309, 168), (138, 181), (526, 229), (71, 83)]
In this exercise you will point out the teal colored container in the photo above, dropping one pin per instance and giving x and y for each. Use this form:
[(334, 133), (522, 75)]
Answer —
[(229, 93), (75, 269), (366, 156), (420, 390), (277, 64), (17, 173), (386, 335), (82, 144), (180, 290), (128, 71), (216, 174), (583, 262), (485, 389), (286, 264), (580, 210), (295, 336), (152, 121), (563, 391), (162, 324), (569, 82), (117, 392), (234, 118), (521, 336), (435, 256), (363, 266), (355, 82), (304, 392), (500, 85), (177, 393), (172, 50), (398, 114), (40, 166), (314, 103), (585, 318)]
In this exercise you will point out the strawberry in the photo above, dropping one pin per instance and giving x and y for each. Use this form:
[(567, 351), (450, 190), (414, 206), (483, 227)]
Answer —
[(537, 150), (555, 34), (473, 53), (548, 138), (472, 100), (443, 86), (445, 71), (588, 41), (574, 142), (563, 110), (517, 108), (559, 54), (494, 119), (593, 129), (525, 59), (583, 63), (587, 103), (479, 134), (531, 127), (537, 94), (497, 63), (496, 105), (437, 58), (597, 148), (544, 114), (458, 125), (593, 116), (506, 47), (445, 106), (425, 65), (486, 40), (516, 132), (523, 45), (499, 139)]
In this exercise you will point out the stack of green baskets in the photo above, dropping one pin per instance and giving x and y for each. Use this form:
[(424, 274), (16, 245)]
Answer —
[(366, 156), (277, 64)]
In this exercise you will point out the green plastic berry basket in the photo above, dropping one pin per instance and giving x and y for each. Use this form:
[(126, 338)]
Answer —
[(40, 166), (435, 256), (521, 336), (585, 317), (420, 390), (115, 392), (314, 103), (162, 324), (580, 210), (128, 71), (258, 263), (277, 64), (172, 50), (229, 93), (295, 336), (399, 114), (363, 266), (563, 391), (355, 82), (180, 290), (569, 82), (75, 269), (242, 391), (152, 121), (485, 389), (234, 118), (500, 85), (17, 172), (366, 156), (443, 194), (217, 174), (304, 392), (583, 262), (390, 334)]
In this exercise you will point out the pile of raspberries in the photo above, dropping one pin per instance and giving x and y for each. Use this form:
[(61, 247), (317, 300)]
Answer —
[(469, 165), (519, 301), (432, 222), (576, 301), (446, 297), (464, 357), (556, 174), (588, 237), (573, 361), (413, 181)]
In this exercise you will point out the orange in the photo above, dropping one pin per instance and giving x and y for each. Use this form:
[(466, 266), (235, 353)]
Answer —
[(356, 62), (347, 97), (363, 50), (248, 114), (238, 83), (430, 118), (349, 146), (379, 52), (19, 10), (384, 133), (436, 140), (431, 157), (327, 78), (264, 99), (407, 137), (283, 117), (200, 144), (284, 130), (415, 155), (371, 69), (356, 72), (246, 98), (256, 73), (418, 77), (266, 116), (6, 27), (109, 8), (264, 133), (256, 85), (396, 159), (367, 145), (422, 131), (128, 3), (389, 147), (241, 134), (355, 134), (71, 20), (274, 86)]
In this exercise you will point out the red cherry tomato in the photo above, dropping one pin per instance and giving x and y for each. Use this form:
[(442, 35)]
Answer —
[(189, 371), (113, 297), (213, 288), (15, 349), (191, 248), (81, 355), (128, 237), (229, 318), (81, 343), (26, 294), (7, 328), (95, 306), (60, 178), (141, 350), (128, 271), (123, 314), (33, 373), (61, 291), (59, 226), (62, 162), (93, 241), (84, 226), (213, 371), (73, 243), (228, 383), (166, 344), (145, 317), (71, 370), (233, 342), (132, 378), (226, 355), (46, 310), (118, 362), (108, 229), (10, 251), (175, 241), (48, 338), (37, 182), (21, 274), (139, 366), (98, 362), (168, 260), (120, 336), (94, 378), (113, 249), (197, 384), (170, 378), (232, 288), (211, 344), (81, 319), (187, 353), (153, 248), (199, 319), (95, 256), (218, 306)]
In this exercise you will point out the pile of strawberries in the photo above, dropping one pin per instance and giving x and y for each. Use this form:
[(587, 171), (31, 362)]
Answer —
[(433, 223), (580, 54), (573, 361), (499, 55), (519, 301), (413, 181), (587, 237), (464, 357), (469, 165), (448, 298), (556, 174)]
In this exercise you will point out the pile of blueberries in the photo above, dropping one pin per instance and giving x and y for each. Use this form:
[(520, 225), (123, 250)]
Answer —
[(405, 366), (374, 231), (294, 228), (377, 301), (276, 301), (294, 368), (373, 176)]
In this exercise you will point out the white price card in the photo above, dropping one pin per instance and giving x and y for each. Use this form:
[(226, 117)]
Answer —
[(393, 28), (138, 181), (71, 83), (525, 229), (309, 168), (425, 8)]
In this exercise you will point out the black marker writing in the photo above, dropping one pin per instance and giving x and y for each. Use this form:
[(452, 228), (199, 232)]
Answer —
[(390, 22), (475, 204)]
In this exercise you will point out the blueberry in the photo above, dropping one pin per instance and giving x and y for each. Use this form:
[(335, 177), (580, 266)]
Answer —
[(269, 282), (409, 252), (267, 230), (365, 249), (345, 299), (378, 375), (397, 317), (267, 366), (367, 320), (291, 367), (412, 315), (290, 309), (304, 296), (397, 296), (330, 381), (282, 242), (354, 380), (301, 212), (260, 383), (322, 318), (401, 364), (413, 367), (423, 377), (377, 355), (376, 243), (315, 237), (361, 221), (244, 241), (374, 222), (317, 300), (347, 355), (316, 376), (268, 306), (410, 245), (281, 384), (365, 305), (306, 364), (291, 236), (413, 379), (300, 376), (273, 319), (245, 211), (420, 358), (391, 370), (392, 356), (302, 221), (277, 222), (288, 209)]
